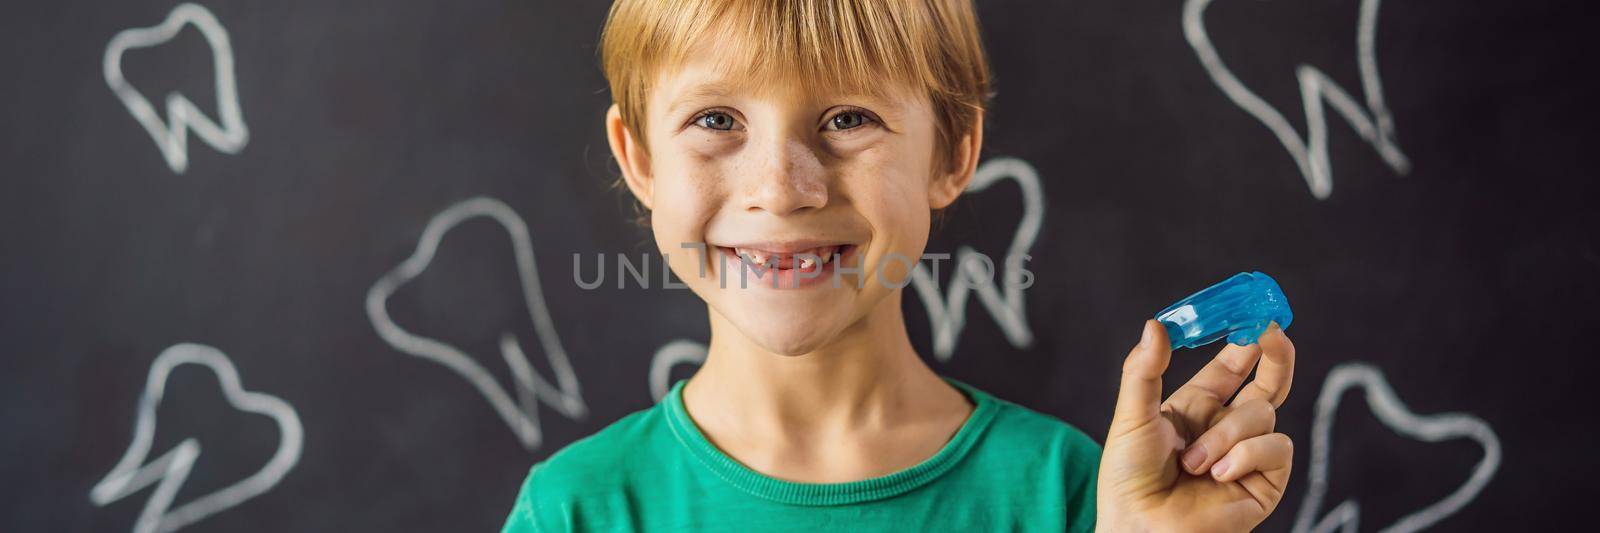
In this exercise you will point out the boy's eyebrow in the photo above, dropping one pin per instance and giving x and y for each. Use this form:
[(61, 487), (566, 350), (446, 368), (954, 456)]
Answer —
[(699, 93)]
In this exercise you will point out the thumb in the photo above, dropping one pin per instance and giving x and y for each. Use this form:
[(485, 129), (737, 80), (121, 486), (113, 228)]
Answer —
[(1139, 398)]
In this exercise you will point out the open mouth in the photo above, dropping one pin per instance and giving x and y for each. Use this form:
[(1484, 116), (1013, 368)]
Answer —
[(787, 269)]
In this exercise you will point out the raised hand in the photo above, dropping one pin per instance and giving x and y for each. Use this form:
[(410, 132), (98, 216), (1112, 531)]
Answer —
[(1197, 461)]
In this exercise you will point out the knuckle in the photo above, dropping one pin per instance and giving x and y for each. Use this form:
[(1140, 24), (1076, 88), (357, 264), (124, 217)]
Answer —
[(1283, 441), (1237, 362), (1272, 495), (1262, 391), (1261, 410), (1237, 427), (1267, 413), (1132, 364)]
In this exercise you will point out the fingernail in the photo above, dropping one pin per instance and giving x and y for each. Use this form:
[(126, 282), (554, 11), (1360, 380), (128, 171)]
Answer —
[(1193, 458), (1217, 470), (1146, 335)]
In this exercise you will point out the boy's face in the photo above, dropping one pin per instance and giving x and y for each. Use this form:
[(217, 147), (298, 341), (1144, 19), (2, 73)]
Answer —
[(777, 175)]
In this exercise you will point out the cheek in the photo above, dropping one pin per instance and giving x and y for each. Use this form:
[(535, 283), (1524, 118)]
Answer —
[(890, 188), (890, 191), (688, 187), (687, 191)]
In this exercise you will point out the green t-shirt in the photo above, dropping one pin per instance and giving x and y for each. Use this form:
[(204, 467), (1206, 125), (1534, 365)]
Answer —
[(1008, 468)]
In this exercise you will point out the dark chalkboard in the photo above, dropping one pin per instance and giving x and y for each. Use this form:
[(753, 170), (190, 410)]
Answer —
[(345, 288)]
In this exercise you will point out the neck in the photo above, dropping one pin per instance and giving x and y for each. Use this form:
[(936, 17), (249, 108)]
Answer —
[(866, 376)]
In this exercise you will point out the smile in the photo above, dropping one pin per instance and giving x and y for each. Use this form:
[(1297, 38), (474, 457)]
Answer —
[(785, 267)]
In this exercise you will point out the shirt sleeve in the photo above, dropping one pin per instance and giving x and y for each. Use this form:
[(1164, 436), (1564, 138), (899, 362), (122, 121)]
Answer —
[(1083, 473), (524, 517)]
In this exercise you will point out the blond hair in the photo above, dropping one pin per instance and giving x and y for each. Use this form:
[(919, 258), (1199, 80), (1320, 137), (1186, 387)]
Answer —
[(845, 45)]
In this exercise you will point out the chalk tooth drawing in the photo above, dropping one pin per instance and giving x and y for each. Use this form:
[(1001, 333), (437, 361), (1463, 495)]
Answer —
[(1373, 122), (171, 136), (522, 415), (677, 352), (947, 313), (169, 471), (1393, 413)]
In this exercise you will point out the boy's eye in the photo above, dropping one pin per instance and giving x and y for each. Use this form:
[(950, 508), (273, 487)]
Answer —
[(716, 120), (848, 120)]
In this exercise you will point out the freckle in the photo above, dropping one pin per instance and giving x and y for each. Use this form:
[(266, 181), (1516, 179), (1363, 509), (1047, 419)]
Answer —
[(811, 186)]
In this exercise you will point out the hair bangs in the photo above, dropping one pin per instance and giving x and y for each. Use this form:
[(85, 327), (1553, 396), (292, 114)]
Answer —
[(869, 47)]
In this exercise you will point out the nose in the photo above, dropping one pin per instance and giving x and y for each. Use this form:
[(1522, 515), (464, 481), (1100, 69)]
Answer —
[(786, 177)]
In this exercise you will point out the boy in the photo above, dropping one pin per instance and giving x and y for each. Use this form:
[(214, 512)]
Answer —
[(809, 140)]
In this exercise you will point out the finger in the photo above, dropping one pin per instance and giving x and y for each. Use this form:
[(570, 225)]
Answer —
[(1139, 396), (1276, 371), (1214, 384), (1241, 422), (1261, 464)]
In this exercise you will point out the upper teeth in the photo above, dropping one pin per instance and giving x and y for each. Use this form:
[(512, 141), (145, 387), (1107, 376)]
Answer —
[(753, 257), (805, 258)]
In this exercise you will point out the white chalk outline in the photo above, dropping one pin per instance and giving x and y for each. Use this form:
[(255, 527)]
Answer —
[(947, 314), (170, 470), (182, 114), (1393, 413), (522, 416), (1315, 86), (677, 352)]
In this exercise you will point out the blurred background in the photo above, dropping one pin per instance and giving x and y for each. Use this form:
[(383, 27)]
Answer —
[(274, 266)]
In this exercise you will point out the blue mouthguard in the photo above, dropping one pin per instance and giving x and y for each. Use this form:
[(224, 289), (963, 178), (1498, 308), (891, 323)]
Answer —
[(1239, 308)]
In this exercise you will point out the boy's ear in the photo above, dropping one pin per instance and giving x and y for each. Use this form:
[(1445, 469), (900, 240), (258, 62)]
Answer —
[(953, 176), (630, 155)]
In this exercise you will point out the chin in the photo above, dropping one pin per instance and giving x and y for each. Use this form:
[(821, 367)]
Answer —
[(787, 333)]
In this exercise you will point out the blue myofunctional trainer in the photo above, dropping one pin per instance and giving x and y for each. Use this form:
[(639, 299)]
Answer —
[(1239, 308)]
